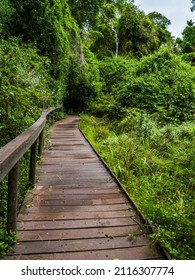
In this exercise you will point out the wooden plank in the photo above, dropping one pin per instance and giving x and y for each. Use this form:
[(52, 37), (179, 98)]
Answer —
[(78, 245), (56, 209), (82, 233), (64, 169), (90, 208), (69, 177), (76, 202), (136, 253), (73, 215), (70, 164), (70, 173), (74, 191), (69, 224), (80, 185), (62, 182), (75, 196), (63, 188)]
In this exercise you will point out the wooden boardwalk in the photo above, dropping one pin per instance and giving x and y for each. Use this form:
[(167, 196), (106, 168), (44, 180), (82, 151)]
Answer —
[(77, 210)]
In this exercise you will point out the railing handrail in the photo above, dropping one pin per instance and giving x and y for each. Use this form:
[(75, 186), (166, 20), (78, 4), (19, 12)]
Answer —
[(11, 153)]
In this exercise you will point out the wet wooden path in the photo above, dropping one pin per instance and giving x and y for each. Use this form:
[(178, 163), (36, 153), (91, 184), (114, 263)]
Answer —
[(77, 210)]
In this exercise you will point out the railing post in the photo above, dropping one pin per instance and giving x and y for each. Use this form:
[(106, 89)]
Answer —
[(12, 197), (41, 143), (32, 164)]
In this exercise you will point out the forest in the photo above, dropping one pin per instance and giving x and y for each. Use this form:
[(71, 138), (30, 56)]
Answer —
[(131, 82)]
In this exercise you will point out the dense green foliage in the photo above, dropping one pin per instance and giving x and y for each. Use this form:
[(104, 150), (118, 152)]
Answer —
[(24, 87), (156, 165), (35, 60), (50, 26), (137, 33), (161, 83), (187, 44), (83, 83), (111, 60)]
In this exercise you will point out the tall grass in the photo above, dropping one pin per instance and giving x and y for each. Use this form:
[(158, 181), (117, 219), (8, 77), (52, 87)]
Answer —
[(156, 165)]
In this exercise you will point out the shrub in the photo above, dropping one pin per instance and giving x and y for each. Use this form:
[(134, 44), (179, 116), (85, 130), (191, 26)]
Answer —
[(160, 83)]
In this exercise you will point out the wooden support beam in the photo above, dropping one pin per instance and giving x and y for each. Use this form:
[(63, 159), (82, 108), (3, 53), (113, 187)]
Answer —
[(12, 197), (33, 164), (41, 143)]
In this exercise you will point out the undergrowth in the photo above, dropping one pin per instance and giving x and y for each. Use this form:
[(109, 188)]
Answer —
[(156, 165)]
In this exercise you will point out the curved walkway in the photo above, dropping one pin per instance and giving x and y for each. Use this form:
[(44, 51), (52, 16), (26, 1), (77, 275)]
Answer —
[(77, 209)]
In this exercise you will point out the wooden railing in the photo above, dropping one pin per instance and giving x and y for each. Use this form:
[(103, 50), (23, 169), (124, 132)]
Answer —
[(10, 155)]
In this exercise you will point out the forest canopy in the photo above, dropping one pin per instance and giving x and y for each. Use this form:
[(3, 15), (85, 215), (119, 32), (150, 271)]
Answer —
[(77, 38)]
